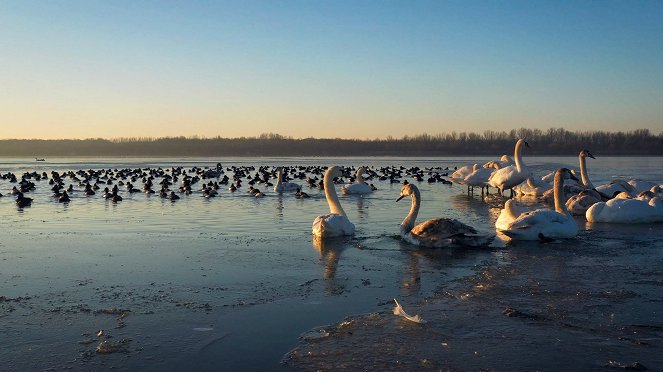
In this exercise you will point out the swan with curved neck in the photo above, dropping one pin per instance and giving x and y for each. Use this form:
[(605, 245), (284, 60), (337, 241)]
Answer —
[(336, 223), (437, 232), (359, 186), (583, 168), (508, 177), (540, 224)]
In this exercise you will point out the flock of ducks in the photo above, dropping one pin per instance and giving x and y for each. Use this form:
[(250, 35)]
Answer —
[(618, 202)]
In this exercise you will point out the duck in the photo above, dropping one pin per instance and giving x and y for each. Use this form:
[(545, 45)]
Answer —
[(541, 224), (22, 201), (301, 194), (436, 232), (336, 223), (359, 186), (64, 198), (508, 177)]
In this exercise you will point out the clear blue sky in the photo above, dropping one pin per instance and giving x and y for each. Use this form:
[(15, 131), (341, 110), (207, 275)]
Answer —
[(350, 69)]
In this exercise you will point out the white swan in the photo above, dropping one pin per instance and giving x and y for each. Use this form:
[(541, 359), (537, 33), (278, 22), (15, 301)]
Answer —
[(540, 224), (336, 223), (462, 172), (479, 177), (622, 209), (505, 161), (437, 232), (359, 186), (532, 187), (615, 187), (282, 186), (508, 177)]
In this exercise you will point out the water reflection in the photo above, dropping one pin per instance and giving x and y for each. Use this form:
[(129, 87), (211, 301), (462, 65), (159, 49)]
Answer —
[(279, 206), (330, 254), (411, 282), (466, 204)]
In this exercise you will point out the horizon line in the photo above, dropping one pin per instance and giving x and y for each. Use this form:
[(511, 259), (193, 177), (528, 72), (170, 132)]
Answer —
[(277, 136)]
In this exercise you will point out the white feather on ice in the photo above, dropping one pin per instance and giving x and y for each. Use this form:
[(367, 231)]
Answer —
[(398, 310)]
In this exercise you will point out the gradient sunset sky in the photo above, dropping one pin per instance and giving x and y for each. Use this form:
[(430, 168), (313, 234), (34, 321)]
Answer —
[(349, 69)]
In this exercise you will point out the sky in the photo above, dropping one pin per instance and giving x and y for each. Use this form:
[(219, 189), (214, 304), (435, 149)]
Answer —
[(314, 68)]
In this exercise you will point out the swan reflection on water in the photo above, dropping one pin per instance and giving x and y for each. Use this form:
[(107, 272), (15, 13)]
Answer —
[(330, 254)]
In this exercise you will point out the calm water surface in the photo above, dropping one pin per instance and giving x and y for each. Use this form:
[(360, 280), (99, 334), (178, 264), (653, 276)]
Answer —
[(235, 282)]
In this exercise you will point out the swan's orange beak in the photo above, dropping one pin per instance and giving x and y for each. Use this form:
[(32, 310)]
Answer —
[(401, 197)]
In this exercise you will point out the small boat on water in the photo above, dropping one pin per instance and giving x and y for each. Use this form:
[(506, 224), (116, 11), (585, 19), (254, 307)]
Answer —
[(40, 159)]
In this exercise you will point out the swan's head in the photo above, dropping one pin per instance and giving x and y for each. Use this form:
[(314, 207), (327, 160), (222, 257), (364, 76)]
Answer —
[(586, 153), (334, 171), (522, 141), (408, 190), (567, 174)]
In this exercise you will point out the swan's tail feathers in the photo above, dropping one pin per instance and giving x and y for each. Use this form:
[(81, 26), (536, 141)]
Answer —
[(604, 197), (473, 240), (460, 181), (398, 310)]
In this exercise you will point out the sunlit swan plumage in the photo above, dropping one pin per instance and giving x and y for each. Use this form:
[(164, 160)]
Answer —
[(479, 177), (532, 187), (336, 223), (284, 186), (359, 186), (541, 223), (508, 177), (462, 172), (505, 161), (623, 209), (437, 232)]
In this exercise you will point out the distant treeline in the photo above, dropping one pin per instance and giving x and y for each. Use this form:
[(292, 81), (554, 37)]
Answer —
[(554, 141)]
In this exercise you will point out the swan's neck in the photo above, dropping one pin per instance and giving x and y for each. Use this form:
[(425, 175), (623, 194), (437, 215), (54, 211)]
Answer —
[(279, 177), (516, 155), (408, 222), (583, 173), (332, 197), (360, 179), (560, 205)]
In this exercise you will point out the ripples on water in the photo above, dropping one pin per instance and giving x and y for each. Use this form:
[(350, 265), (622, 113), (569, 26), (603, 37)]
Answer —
[(578, 304)]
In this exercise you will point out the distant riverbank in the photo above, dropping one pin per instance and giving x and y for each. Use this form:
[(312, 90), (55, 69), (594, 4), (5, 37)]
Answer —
[(553, 142)]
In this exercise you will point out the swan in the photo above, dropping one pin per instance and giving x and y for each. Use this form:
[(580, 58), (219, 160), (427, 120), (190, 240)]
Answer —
[(624, 209), (540, 224), (460, 173), (579, 203), (508, 177), (336, 223), (284, 186), (641, 185), (505, 161), (532, 187), (359, 186), (480, 176), (616, 186), (437, 232)]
